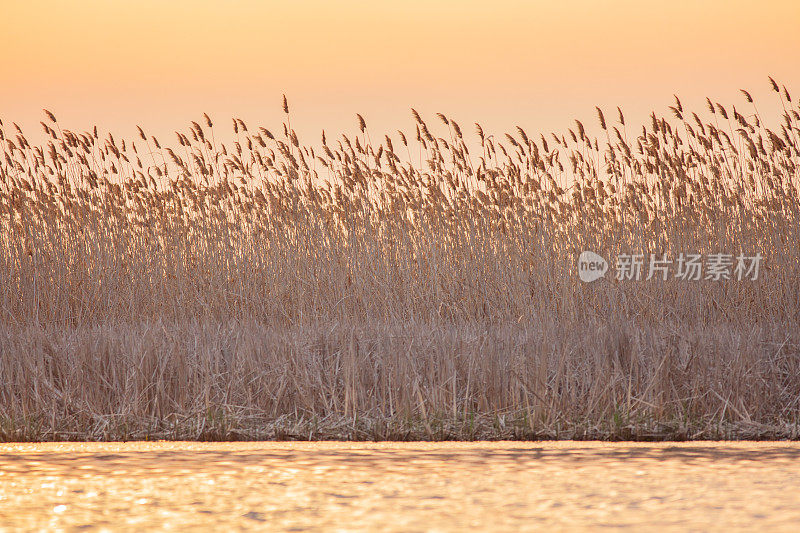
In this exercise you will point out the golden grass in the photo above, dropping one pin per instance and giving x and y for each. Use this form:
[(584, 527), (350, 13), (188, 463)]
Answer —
[(411, 288)]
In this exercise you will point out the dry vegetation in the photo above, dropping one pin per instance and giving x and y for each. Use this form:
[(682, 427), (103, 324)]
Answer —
[(404, 287)]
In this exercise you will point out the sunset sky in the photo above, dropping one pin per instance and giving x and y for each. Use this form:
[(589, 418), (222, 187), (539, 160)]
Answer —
[(502, 63)]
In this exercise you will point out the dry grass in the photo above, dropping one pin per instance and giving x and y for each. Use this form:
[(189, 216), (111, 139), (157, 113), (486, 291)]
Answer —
[(407, 289)]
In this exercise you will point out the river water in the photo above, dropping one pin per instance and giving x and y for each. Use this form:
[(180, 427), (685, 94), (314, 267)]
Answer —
[(398, 486)]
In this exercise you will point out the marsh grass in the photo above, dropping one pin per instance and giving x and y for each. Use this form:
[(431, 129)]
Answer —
[(411, 288)]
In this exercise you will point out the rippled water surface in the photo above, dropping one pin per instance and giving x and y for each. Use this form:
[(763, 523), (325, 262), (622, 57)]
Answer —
[(398, 486)]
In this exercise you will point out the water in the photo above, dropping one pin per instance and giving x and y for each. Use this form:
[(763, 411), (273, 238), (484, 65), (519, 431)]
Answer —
[(399, 486)]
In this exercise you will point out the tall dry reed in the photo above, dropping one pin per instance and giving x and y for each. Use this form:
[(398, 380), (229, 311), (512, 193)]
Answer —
[(423, 286)]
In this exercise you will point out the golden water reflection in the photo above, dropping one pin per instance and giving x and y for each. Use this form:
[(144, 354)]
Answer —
[(398, 486)]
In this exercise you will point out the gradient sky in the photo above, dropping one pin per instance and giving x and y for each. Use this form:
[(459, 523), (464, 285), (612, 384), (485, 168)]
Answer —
[(537, 64)]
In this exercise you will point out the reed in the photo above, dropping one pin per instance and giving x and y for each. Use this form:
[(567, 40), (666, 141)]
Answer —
[(422, 287)]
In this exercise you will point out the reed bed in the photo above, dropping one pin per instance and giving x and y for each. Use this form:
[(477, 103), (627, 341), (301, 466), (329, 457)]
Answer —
[(422, 285)]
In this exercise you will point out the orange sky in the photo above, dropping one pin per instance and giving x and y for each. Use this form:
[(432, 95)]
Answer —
[(503, 63)]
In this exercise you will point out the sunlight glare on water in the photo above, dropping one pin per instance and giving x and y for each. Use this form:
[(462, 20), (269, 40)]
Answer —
[(399, 486)]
